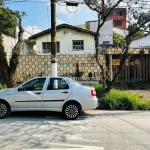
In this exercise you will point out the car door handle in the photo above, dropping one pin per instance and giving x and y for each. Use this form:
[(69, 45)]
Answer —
[(38, 93), (65, 92)]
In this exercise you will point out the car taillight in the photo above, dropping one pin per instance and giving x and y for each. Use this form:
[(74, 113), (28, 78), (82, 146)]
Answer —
[(93, 92)]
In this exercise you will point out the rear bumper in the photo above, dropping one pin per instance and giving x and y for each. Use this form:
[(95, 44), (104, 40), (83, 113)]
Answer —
[(90, 103)]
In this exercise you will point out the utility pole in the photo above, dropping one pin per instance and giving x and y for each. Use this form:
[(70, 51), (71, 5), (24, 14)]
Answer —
[(53, 39), (53, 36)]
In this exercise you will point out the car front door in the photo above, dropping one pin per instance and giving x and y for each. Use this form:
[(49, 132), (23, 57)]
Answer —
[(29, 95), (56, 93)]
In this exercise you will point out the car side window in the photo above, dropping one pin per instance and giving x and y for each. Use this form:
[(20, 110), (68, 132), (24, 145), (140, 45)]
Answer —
[(57, 84), (34, 85)]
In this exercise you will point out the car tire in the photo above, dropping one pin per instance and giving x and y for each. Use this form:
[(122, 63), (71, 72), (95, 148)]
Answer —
[(71, 111), (4, 109)]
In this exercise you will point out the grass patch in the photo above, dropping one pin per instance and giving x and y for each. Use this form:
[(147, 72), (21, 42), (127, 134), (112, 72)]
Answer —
[(120, 100)]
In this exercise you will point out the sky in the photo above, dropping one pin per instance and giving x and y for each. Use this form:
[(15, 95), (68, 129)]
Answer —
[(38, 16)]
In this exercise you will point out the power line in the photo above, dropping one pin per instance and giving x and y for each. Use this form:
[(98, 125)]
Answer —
[(21, 1), (35, 22)]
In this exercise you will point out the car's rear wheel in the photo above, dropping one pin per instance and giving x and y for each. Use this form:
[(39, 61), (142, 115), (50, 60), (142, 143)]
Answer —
[(71, 111), (4, 109)]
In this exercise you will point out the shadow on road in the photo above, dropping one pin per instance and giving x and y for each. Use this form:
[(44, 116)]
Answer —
[(43, 115), (35, 114)]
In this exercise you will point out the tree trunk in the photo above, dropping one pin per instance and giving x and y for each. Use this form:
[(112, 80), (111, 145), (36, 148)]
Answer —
[(9, 69), (124, 57)]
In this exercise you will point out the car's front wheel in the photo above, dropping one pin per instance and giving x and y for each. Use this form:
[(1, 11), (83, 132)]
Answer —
[(71, 111), (4, 109)]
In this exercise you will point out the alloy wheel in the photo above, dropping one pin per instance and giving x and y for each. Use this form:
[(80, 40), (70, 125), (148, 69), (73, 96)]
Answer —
[(3, 110), (72, 111)]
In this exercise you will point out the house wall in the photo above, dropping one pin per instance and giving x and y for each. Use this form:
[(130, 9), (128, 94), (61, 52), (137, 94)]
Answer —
[(32, 66), (141, 42), (26, 35), (9, 43), (121, 18), (27, 48), (106, 31), (65, 37)]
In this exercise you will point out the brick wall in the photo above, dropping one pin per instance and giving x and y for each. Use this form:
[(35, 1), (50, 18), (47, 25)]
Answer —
[(32, 66)]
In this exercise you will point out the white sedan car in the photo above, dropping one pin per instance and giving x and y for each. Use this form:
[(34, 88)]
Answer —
[(60, 94)]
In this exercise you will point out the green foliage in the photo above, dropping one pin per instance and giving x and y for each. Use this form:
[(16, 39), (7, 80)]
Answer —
[(3, 86), (99, 90), (120, 100), (9, 21), (131, 28), (118, 39)]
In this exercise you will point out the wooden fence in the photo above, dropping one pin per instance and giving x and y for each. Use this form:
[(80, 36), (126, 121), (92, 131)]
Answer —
[(136, 69)]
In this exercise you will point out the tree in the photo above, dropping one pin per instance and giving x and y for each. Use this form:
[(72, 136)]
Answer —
[(104, 9), (9, 21), (9, 69), (133, 27), (118, 40)]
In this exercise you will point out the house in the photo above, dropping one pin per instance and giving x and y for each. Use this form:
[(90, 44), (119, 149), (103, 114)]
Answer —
[(141, 42), (10, 42), (106, 32), (122, 32), (119, 18), (70, 40)]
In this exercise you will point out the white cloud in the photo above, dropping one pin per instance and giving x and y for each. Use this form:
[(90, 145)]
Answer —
[(61, 9), (67, 10), (33, 29), (59, 21)]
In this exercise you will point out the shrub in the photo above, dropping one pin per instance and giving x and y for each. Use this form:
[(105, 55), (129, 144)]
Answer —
[(120, 100), (100, 94), (3, 86), (148, 105), (99, 89)]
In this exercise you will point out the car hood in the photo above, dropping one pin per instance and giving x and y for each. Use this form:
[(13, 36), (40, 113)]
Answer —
[(6, 91)]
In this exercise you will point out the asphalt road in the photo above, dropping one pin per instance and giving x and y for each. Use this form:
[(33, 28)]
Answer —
[(94, 130)]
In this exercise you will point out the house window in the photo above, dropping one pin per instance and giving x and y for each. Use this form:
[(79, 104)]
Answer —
[(77, 45), (118, 23), (105, 42), (120, 13), (47, 47)]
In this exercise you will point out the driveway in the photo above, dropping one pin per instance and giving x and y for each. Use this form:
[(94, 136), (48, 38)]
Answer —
[(94, 130)]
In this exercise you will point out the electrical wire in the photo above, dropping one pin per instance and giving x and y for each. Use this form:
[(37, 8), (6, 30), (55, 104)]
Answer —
[(35, 22), (48, 15)]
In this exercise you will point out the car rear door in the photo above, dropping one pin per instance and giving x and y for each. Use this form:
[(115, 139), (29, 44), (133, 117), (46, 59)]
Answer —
[(56, 93), (30, 94)]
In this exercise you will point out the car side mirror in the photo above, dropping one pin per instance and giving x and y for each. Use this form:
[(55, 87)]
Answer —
[(20, 89)]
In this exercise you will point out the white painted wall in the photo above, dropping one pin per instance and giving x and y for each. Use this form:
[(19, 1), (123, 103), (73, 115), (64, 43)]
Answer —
[(26, 35), (124, 33), (26, 48), (142, 42), (106, 32), (65, 37), (9, 43)]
